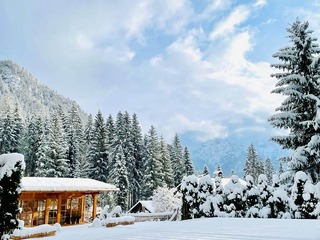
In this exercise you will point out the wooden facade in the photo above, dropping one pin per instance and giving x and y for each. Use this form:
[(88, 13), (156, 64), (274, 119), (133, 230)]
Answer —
[(53, 205)]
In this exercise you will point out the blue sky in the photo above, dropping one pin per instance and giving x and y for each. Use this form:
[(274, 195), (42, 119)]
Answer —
[(200, 67)]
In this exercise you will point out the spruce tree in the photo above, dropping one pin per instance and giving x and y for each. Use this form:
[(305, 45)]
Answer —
[(205, 171), (153, 177), (10, 180), (253, 165), (298, 81), (119, 174), (188, 164), (74, 135), (57, 149), (31, 144), (176, 155), (138, 150), (166, 163), (17, 131), (6, 132), (99, 151), (269, 170)]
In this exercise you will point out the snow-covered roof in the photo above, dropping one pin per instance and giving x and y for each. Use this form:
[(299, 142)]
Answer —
[(44, 184), (146, 204)]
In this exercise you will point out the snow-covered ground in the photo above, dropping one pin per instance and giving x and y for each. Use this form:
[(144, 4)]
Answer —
[(207, 228)]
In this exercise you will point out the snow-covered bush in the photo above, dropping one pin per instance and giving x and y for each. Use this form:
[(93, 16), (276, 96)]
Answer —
[(165, 199), (252, 198), (190, 199), (304, 197), (265, 192), (206, 196), (234, 204), (279, 199), (219, 198)]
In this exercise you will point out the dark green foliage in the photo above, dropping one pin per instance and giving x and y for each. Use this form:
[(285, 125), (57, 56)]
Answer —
[(9, 192), (298, 81)]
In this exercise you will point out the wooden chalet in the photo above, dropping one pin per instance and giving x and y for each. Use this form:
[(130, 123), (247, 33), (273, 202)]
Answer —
[(58, 200)]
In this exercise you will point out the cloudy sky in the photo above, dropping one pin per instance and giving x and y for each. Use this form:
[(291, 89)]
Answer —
[(187, 66)]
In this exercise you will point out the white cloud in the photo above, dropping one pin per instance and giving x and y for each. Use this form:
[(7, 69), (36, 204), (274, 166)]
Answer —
[(83, 42), (204, 129), (260, 3), (228, 25)]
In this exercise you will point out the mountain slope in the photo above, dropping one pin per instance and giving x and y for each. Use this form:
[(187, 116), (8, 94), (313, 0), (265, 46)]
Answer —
[(231, 152), (17, 85)]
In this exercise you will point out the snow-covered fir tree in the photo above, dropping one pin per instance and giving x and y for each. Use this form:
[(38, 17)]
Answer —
[(12, 167), (57, 149), (31, 143), (205, 170), (74, 136), (166, 163), (7, 137), (17, 130), (253, 165), (153, 176), (98, 155), (269, 170), (137, 153), (299, 113), (187, 162), (119, 174), (176, 155)]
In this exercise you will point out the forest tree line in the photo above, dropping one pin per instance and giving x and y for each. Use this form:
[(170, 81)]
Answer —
[(106, 149)]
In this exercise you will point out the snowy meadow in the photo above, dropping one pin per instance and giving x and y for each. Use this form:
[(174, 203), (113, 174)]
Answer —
[(205, 228)]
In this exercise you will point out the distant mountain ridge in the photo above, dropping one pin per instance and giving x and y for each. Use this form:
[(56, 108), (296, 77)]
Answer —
[(230, 153), (19, 86)]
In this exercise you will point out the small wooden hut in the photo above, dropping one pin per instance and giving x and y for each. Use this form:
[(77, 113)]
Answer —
[(58, 200)]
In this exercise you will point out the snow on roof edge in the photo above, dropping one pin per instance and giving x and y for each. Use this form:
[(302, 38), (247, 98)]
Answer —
[(42, 184)]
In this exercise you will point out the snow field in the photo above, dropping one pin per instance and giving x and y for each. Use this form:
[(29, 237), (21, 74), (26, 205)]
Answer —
[(205, 228)]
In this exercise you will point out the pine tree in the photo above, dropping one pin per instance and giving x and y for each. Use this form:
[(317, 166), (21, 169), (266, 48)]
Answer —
[(17, 131), (10, 180), (74, 135), (43, 163), (166, 163), (119, 174), (99, 151), (253, 165), (269, 170), (188, 164), (57, 149), (138, 150), (153, 177), (176, 155), (87, 149), (6, 132), (280, 170), (299, 112), (31, 144), (205, 171)]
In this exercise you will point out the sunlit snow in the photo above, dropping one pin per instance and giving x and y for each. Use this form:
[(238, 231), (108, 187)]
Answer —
[(207, 228)]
